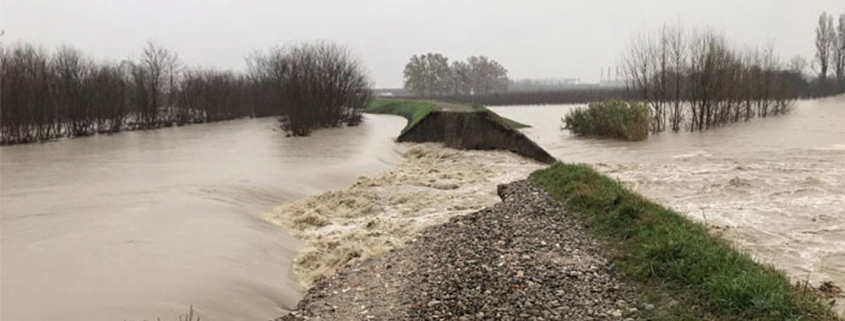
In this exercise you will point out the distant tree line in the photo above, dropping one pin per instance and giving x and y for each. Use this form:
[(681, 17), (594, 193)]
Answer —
[(534, 85), (431, 75), (47, 95), (696, 80), (575, 95), (693, 79)]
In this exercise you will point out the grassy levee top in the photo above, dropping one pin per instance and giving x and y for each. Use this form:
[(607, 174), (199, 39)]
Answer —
[(687, 273), (415, 110)]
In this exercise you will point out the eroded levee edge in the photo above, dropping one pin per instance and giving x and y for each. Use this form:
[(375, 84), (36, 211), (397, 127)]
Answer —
[(481, 130)]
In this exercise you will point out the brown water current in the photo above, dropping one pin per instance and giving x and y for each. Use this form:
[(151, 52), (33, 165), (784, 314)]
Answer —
[(775, 186), (140, 225), (429, 185)]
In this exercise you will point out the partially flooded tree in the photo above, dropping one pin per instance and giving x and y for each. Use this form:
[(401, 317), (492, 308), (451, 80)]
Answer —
[(70, 97), (678, 64), (47, 95), (109, 97), (266, 80), (699, 81), (638, 67), (326, 86), (157, 63), (208, 95), (25, 79)]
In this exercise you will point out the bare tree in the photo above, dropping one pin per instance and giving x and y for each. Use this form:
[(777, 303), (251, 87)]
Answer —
[(839, 51), (705, 81), (797, 64), (326, 87), (47, 95), (25, 80), (825, 38), (156, 62), (71, 69), (678, 63), (638, 66)]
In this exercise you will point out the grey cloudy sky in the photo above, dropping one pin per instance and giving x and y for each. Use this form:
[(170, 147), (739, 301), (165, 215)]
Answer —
[(533, 39)]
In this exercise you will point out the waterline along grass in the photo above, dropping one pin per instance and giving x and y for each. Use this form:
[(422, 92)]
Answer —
[(413, 111), (612, 118), (701, 276), (506, 121)]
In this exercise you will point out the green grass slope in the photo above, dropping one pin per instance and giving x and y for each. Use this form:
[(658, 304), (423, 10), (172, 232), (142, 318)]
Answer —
[(685, 271)]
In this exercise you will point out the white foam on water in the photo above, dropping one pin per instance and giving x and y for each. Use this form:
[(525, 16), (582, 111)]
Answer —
[(786, 210), (429, 185)]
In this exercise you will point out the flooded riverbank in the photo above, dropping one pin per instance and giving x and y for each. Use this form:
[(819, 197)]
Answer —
[(140, 225), (775, 187)]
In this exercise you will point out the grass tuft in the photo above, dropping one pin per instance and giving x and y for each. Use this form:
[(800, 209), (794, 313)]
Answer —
[(692, 274)]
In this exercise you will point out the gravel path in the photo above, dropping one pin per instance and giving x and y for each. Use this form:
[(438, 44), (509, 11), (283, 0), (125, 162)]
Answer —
[(518, 260)]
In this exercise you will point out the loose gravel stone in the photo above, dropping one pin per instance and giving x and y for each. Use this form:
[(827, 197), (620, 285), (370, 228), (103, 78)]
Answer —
[(522, 259)]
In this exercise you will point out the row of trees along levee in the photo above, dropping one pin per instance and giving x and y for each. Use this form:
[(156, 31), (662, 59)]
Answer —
[(431, 75), (48, 95)]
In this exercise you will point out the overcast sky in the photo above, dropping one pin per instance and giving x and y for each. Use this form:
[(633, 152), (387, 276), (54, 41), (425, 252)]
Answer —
[(533, 39)]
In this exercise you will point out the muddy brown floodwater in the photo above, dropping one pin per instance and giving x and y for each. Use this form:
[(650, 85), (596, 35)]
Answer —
[(140, 225), (775, 186), (429, 185)]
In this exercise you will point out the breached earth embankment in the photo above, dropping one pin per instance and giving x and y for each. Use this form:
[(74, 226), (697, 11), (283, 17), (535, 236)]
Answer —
[(428, 186), (517, 260), (455, 253)]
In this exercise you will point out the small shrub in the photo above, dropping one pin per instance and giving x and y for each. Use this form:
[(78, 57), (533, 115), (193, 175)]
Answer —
[(627, 120)]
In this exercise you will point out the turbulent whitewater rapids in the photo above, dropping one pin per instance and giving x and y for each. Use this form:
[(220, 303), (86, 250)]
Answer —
[(787, 210), (429, 185), (775, 187)]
